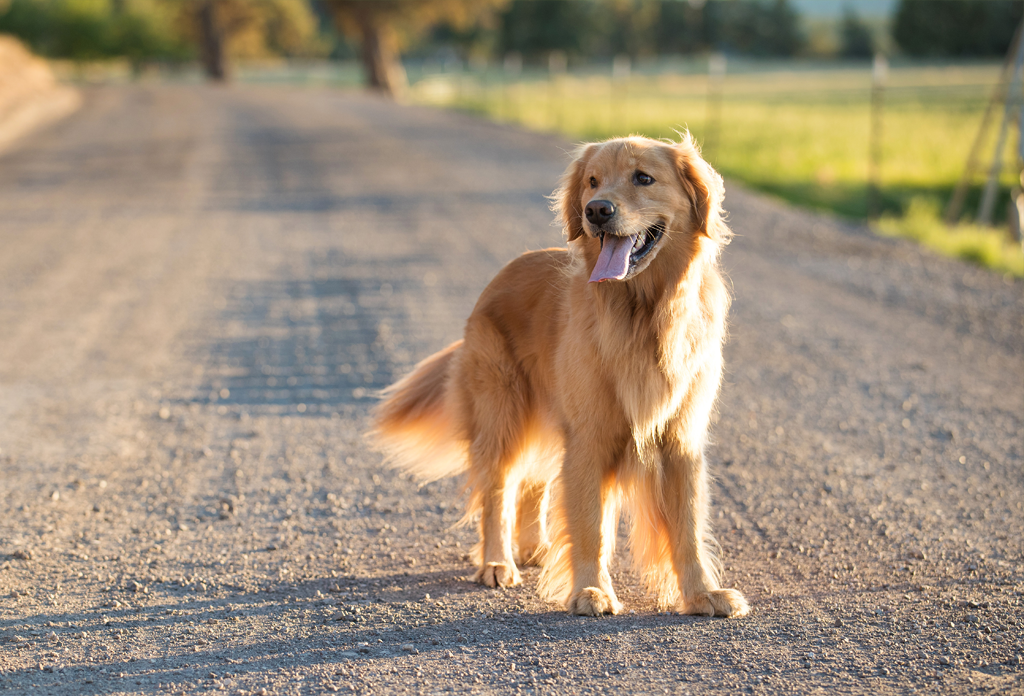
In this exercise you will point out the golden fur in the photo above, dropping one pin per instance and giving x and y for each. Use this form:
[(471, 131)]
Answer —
[(591, 395)]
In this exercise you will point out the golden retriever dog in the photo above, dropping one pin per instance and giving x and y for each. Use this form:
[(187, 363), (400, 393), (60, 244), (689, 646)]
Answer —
[(587, 377)]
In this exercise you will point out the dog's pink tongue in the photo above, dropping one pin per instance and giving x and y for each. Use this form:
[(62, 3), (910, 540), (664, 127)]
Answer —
[(613, 263)]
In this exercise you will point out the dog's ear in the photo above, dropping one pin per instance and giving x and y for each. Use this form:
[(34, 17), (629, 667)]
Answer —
[(566, 198), (705, 189)]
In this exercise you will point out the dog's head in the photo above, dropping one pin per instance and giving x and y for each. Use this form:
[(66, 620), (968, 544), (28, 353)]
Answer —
[(630, 201)]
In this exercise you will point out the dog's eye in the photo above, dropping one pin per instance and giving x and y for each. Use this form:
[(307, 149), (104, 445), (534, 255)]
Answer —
[(593, 182), (642, 179)]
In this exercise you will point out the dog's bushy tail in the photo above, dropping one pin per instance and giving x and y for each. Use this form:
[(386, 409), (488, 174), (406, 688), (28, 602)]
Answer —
[(414, 425)]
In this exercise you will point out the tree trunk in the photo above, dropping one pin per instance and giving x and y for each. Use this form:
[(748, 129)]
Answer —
[(211, 42), (381, 61)]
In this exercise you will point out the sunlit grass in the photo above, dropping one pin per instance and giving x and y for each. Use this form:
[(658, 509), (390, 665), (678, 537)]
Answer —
[(986, 246), (802, 135)]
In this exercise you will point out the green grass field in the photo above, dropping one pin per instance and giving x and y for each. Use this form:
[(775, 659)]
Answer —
[(799, 132)]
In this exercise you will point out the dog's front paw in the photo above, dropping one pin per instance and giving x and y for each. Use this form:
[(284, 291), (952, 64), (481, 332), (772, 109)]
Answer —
[(730, 603), (534, 555), (498, 575), (593, 601)]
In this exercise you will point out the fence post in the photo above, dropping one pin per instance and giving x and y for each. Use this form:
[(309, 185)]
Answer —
[(879, 74), (621, 66), (717, 66), (956, 203), (1017, 197), (513, 65), (988, 198), (557, 64)]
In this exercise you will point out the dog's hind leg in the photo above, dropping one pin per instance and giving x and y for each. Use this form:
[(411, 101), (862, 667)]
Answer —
[(497, 460), (497, 489), (492, 397), (531, 523)]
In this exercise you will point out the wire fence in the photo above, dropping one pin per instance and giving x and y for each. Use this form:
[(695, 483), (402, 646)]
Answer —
[(795, 125)]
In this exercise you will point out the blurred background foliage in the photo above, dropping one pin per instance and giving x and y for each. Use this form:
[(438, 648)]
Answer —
[(585, 30), (643, 28), (162, 30), (92, 29), (955, 28)]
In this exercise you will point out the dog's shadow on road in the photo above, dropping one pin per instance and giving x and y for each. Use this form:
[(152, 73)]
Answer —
[(432, 614)]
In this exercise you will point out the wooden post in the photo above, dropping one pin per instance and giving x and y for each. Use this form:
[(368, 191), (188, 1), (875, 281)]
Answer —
[(879, 74), (713, 117), (619, 93), (1017, 197), (956, 203), (1013, 98), (513, 66), (1015, 211), (557, 64)]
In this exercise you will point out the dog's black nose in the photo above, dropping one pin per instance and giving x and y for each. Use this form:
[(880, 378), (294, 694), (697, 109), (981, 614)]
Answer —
[(600, 211)]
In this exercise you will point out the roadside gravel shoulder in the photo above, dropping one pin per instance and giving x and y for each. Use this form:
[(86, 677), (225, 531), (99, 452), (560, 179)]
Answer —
[(30, 97)]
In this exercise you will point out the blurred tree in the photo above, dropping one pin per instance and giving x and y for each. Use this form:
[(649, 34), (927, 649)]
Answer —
[(144, 30), (372, 24), (754, 28), (139, 29), (681, 28), (60, 28), (956, 28), (247, 28), (383, 27), (534, 28), (787, 39), (648, 27), (855, 39), (632, 24)]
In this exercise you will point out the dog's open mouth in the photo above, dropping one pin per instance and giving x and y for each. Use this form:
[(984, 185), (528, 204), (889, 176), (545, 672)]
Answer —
[(620, 255)]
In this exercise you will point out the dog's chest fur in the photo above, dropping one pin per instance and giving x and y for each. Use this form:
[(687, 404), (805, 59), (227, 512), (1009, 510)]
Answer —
[(660, 356)]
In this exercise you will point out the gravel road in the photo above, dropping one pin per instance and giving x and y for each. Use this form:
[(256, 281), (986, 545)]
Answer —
[(200, 290)]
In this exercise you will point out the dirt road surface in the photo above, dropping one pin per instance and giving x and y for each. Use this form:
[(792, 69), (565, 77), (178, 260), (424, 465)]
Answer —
[(201, 288)]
